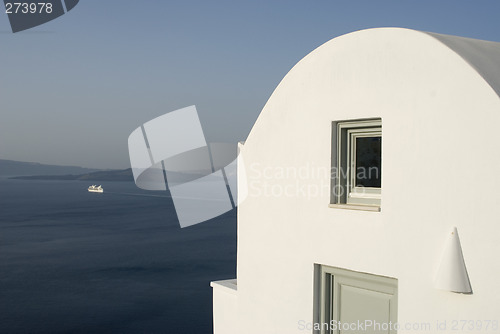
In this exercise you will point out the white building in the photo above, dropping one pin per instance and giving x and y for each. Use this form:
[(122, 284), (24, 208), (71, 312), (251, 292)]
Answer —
[(383, 248)]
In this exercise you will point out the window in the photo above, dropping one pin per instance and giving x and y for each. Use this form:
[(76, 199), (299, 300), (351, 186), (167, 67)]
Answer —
[(344, 299), (357, 164)]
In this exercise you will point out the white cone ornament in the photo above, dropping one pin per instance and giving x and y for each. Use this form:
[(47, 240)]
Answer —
[(452, 273)]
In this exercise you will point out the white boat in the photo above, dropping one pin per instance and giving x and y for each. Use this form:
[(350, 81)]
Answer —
[(95, 189)]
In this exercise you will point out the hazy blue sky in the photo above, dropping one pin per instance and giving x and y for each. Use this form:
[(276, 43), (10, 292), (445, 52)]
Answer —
[(72, 90)]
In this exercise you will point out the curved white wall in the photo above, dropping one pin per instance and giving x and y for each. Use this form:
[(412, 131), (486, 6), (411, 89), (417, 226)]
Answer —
[(440, 163)]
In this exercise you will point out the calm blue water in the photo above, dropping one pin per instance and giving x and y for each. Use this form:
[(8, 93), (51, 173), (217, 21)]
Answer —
[(78, 262)]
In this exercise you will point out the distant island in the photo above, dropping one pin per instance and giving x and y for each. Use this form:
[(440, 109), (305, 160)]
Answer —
[(36, 171), (21, 168), (109, 175)]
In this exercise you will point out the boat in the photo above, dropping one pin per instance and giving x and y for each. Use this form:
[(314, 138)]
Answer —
[(95, 189)]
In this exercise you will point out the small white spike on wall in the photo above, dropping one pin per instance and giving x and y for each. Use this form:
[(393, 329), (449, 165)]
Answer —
[(452, 273)]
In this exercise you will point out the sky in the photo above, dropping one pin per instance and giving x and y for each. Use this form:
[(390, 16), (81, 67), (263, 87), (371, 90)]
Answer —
[(72, 90)]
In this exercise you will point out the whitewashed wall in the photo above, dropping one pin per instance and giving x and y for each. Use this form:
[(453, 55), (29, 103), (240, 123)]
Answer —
[(440, 169)]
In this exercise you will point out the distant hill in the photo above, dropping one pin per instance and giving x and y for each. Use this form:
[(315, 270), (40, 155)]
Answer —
[(19, 168), (108, 175), (112, 175), (35, 171)]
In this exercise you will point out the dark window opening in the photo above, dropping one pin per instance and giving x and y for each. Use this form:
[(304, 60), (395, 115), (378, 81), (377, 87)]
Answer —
[(368, 162)]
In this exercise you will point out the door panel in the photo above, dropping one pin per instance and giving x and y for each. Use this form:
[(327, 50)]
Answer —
[(358, 305), (357, 302)]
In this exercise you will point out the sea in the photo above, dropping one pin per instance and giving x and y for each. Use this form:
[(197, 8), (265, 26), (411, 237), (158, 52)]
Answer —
[(117, 262)]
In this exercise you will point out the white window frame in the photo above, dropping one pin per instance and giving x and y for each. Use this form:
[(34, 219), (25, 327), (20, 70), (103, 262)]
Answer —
[(328, 282), (346, 193)]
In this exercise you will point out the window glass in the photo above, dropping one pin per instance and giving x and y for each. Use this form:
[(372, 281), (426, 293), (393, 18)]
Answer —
[(368, 162)]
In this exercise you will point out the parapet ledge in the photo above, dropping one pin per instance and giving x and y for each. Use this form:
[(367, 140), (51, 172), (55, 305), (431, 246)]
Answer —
[(229, 285)]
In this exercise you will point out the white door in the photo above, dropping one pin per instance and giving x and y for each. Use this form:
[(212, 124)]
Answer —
[(354, 302)]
